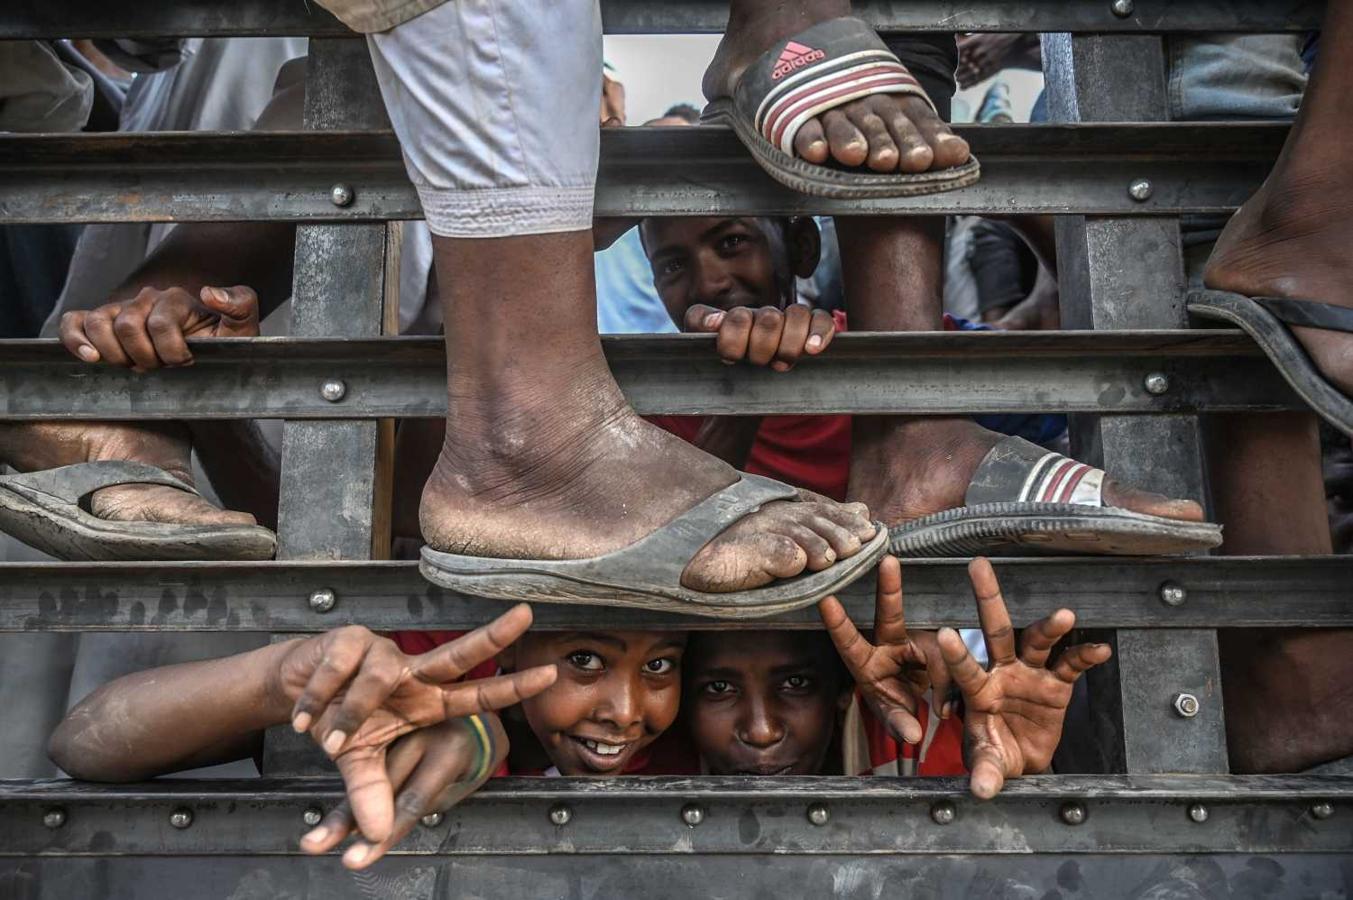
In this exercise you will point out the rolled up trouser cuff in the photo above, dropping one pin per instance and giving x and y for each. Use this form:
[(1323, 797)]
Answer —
[(507, 211)]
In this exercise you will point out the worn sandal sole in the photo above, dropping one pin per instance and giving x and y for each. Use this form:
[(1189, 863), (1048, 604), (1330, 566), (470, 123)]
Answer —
[(1049, 528)]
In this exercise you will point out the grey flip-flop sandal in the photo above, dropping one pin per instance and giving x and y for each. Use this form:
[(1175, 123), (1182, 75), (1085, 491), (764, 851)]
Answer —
[(1266, 319), (821, 68), (1026, 499), (647, 573), (43, 510)]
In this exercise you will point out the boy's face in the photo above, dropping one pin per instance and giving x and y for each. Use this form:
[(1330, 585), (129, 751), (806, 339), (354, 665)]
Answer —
[(764, 703), (616, 692), (718, 261)]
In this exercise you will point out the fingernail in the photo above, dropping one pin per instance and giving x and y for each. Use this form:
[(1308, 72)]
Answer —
[(780, 366), (356, 853), (814, 342), (220, 295), (728, 362), (334, 742), (315, 835), (713, 319), (301, 723), (88, 353)]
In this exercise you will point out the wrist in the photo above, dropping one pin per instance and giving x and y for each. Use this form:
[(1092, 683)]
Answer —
[(273, 704)]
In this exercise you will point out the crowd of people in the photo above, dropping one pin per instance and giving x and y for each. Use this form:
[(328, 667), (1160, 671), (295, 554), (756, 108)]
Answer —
[(542, 484)]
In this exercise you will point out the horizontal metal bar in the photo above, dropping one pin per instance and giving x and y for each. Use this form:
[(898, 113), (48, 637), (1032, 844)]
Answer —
[(1205, 592), (917, 372), (752, 816), (704, 171), (88, 18)]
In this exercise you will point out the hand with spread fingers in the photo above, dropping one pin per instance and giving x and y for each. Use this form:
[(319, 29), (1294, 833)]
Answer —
[(763, 336), (894, 673), (1013, 712), (356, 692), (430, 771)]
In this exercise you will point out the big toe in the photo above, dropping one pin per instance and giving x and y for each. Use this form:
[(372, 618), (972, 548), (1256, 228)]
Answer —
[(163, 504), (1151, 504), (739, 561)]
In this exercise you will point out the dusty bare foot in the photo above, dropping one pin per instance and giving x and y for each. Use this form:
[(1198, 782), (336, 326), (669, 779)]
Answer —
[(31, 446), (903, 469), (1291, 240), (887, 133), (561, 478)]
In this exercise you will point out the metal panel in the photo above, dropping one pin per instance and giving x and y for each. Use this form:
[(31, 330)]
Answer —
[(751, 816), (644, 171), (89, 18), (1260, 592), (926, 373)]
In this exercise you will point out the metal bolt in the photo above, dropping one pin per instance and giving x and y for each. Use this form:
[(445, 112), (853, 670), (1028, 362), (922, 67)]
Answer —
[(560, 814), (432, 820), (1172, 594), (323, 600), (1122, 8), (340, 195), (1072, 813), (1198, 813), (818, 813), (1141, 189), (692, 814), (333, 390), (1186, 705), (181, 818), (943, 812), (1156, 383), (54, 818), (1322, 809), (312, 816)]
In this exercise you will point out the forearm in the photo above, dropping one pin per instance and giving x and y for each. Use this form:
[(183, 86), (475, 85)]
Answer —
[(730, 438), (195, 255), (172, 718)]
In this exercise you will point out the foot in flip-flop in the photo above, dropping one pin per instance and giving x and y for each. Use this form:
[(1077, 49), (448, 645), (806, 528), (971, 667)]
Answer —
[(949, 487), (1281, 271), (107, 491), (826, 109), (602, 507)]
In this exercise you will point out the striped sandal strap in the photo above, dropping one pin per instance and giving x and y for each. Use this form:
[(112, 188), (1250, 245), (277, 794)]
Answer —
[(1018, 471)]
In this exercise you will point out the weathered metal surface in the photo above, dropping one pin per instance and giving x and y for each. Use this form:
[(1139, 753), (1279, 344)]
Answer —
[(642, 816), (88, 18), (644, 171), (1260, 592), (926, 373)]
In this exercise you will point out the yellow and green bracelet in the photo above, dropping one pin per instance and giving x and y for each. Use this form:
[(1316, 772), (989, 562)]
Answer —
[(484, 749)]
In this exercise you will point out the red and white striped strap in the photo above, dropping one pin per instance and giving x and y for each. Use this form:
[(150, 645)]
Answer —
[(826, 85), (1057, 479)]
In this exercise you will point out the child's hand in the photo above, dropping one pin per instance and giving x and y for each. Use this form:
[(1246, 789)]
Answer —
[(766, 335), (894, 675), (430, 770), (1014, 712), (356, 692)]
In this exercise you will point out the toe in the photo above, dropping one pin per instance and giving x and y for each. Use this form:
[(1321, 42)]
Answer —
[(848, 145), (1149, 503), (810, 143), (843, 541), (819, 549), (883, 153), (948, 149), (737, 562)]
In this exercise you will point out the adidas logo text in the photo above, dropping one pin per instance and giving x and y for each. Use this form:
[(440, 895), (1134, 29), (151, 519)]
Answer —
[(795, 56)]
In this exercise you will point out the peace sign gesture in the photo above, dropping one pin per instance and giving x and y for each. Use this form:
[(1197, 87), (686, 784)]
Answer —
[(1014, 712), (896, 672)]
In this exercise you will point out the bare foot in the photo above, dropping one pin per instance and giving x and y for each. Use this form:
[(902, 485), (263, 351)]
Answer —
[(1291, 240), (569, 479), (886, 132), (31, 446), (908, 468)]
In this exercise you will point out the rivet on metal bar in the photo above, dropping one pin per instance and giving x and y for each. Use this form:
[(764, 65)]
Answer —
[(333, 390), (943, 812), (1156, 383), (1186, 705), (312, 816), (1141, 189), (340, 195), (560, 814), (323, 600), (1123, 8), (54, 818), (692, 814), (1172, 594), (1072, 813), (181, 818), (818, 813), (1198, 813), (1322, 810), (432, 820)]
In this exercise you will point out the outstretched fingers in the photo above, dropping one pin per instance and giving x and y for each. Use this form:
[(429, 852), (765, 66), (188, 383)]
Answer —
[(987, 776), (452, 660), (489, 694), (1080, 659), (966, 672), (370, 791), (1037, 641), (852, 647), (890, 625), (996, 627)]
